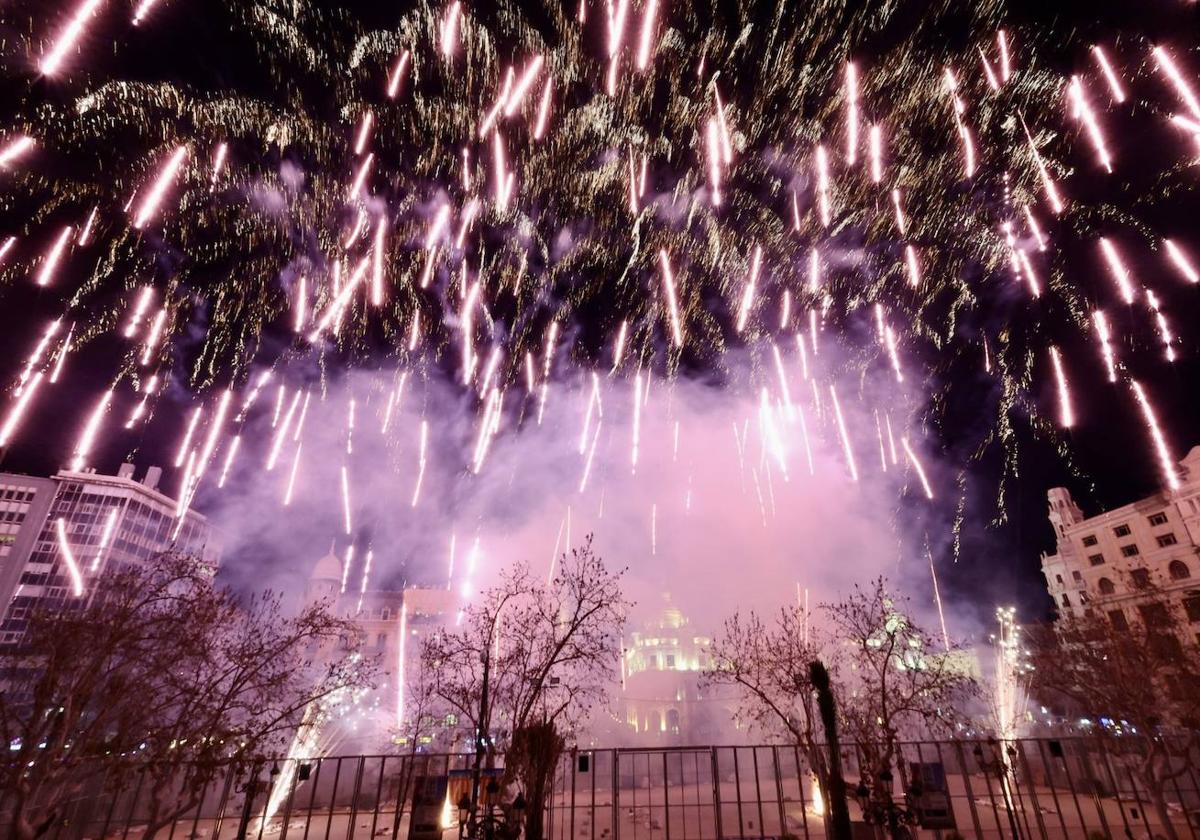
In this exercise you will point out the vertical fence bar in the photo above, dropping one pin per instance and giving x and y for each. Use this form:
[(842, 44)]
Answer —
[(666, 798), (1116, 787), (778, 790), (1053, 790), (616, 794), (716, 792), (378, 795), (966, 777), (1032, 786), (230, 781), (133, 805), (337, 776), (312, 797), (800, 774), (358, 774)]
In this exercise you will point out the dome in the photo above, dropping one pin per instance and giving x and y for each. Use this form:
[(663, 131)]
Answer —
[(328, 567)]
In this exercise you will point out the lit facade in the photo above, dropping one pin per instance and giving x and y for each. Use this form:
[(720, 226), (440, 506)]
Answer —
[(393, 625), (108, 522), (661, 699), (1108, 561)]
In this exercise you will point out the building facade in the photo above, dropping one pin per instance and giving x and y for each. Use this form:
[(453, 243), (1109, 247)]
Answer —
[(68, 530), (1111, 561), (392, 626), (662, 701)]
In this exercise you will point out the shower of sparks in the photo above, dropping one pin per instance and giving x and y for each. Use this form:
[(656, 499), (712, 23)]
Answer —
[(498, 201)]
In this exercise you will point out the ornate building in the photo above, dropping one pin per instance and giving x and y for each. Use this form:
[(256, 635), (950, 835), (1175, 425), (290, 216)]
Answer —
[(661, 700), (1111, 560)]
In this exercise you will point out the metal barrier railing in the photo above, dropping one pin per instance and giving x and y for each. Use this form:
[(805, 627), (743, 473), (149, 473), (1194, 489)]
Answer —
[(1032, 788)]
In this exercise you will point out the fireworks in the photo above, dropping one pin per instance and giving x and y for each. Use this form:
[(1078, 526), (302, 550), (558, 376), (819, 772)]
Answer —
[(520, 208)]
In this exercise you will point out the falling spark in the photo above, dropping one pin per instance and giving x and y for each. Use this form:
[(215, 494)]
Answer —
[(186, 442), (18, 410), (916, 465), (1160, 444), (846, 448), (64, 548), (1066, 413), (619, 346), (914, 271), (1117, 268), (14, 150), (229, 456), (397, 75), (1182, 88), (1110, 75), (672, 304), (1181, 261), (450, 28), (53, 257), (875, 143), (851, 113), (85, 235), (346, 499), (1106, 349), (1083, 111), (166, 177), (646, 41), (823, 186), (88, 439), (751, 283), (421, 463), (1056, 203), (52, 61)]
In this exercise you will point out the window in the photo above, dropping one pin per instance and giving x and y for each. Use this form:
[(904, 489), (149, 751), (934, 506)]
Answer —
[(1090, 540), (1106, 586), (1165, 540), (1121, 530), (1158, 519), (1141, 578), (1130, 550), (385, 613), (1179, 570), (1191, 606), (1096, 559), (381, 640), (1066, 602), (1117, 617), (1076, 576), (1058, 579), (670, 661), (1154, 614)]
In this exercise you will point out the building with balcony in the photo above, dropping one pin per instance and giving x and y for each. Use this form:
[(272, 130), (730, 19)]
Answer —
[(1111, 561)]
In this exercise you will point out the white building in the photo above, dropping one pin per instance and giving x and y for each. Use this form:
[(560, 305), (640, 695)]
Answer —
[(393, 625), (1103, 562), (661, 700), (108, 522)]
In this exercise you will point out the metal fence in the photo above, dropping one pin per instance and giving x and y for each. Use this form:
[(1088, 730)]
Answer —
[(1035, 788)]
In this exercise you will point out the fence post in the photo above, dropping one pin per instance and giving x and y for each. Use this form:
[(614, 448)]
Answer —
[(716, 783)]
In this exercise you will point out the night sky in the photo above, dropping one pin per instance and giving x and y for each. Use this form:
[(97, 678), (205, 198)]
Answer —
[(1110, 460)]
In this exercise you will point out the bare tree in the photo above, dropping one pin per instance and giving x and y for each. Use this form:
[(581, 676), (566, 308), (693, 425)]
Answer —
[(896, 680), (1135, 664), (770, 665), (164, 677), (531, 653)]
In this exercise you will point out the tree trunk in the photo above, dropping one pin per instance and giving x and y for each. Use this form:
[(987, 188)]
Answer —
[(839, 812), (534, 754)]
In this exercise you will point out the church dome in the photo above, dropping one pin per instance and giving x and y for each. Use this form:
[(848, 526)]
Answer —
[(328, 567)]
